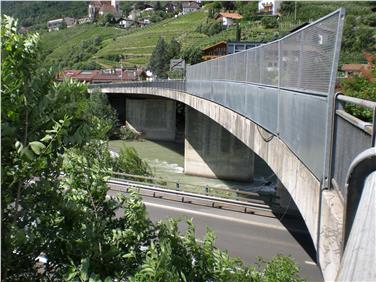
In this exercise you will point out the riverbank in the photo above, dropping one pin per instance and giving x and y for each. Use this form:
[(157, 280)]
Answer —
[(167, 161)]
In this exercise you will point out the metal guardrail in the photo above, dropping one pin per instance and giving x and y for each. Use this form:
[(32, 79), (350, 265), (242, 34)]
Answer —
[(351, 136), (193, 198), (175, 84), (223, 193)]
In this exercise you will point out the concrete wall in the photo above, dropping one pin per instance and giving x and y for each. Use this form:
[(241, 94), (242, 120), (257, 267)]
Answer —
[(211, 151), (154, 118), (321, 210)]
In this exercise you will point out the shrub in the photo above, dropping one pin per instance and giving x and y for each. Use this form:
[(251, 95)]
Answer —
[(130, 162), (269, 22)]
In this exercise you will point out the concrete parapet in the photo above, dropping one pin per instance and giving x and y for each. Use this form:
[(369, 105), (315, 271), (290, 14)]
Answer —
[(331, 231)]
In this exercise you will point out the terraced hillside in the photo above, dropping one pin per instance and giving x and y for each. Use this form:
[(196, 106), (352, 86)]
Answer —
[(134, 46)]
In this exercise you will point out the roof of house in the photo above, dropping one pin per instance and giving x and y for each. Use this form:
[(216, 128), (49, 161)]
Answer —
[(190, 4), (55, 21), (354, 67), (107, 9), (234, 16), (215, 45)]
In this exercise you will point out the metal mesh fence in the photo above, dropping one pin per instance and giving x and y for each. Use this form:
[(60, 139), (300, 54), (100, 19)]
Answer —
[(300, 61), (283, 86)]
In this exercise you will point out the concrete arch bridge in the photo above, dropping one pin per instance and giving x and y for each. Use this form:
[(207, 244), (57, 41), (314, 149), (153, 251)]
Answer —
[(279, 101)]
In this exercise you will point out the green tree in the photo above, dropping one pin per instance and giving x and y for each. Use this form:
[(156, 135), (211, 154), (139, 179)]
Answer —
[(55, 201), (192, 55), (269, 22), (159, 60)]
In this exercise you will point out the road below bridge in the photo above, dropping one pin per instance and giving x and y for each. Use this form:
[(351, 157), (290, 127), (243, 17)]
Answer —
[(246, 236)]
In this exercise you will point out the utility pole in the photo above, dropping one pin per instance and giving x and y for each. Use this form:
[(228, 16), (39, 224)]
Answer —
[(295, 12)]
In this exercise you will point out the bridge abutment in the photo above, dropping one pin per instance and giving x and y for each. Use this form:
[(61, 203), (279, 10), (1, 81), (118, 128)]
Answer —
[(211, 151), (154, 118)]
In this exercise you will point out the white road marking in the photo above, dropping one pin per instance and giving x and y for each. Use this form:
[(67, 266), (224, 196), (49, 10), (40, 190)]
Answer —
[(215, 216), (310, 262)]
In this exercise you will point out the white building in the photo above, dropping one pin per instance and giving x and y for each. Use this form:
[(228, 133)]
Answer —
[(269, 6), (125, 23), (228, 18), (189, 7), (54, 24)]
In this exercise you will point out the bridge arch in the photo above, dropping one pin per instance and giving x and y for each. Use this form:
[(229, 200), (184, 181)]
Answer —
[(299, 181), (278, 99)]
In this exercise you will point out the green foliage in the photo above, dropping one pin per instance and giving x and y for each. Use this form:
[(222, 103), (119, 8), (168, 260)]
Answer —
[(192, 55), (210, 28), (247, 9), (158, 60), (360, 87), (35, 14), (269, 22), (40, 121), (80, 58), (129, 162), (162, 54)]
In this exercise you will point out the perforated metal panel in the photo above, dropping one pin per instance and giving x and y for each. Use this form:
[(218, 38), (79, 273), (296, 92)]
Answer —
[(281, 85)]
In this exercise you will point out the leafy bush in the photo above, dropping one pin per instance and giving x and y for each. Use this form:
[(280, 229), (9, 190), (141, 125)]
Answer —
[(210, 28), (129, 162), (192, 55), (269, 22), (362, 88)]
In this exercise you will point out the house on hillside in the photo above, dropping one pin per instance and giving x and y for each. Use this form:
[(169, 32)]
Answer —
[(223, 48), (100, 8), (238, 46), (84, 20), (214, 51), (170, 7), (351, 69), (126, 23), (228, 19), (70, 21), (269, 6), (190, 6), (54, 25)]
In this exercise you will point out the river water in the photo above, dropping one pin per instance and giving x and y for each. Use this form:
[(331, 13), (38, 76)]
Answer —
[(167, 161)]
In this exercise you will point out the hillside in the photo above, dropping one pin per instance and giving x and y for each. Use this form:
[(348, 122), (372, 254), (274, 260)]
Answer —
[(35, 14), (134, 46), (129, 47)]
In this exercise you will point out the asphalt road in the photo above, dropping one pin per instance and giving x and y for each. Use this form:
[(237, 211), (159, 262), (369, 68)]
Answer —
[(243, 235)]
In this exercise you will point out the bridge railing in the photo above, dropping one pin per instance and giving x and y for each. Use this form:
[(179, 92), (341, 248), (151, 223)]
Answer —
[(351, 136), (286, 86), (175, 84)]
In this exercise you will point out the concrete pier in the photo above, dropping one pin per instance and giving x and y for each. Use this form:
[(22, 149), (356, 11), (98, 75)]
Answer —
[(211, 151), (154, 118)]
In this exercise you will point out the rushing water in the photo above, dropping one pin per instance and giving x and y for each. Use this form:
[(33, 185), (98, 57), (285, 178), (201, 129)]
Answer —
[(167, 161)]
